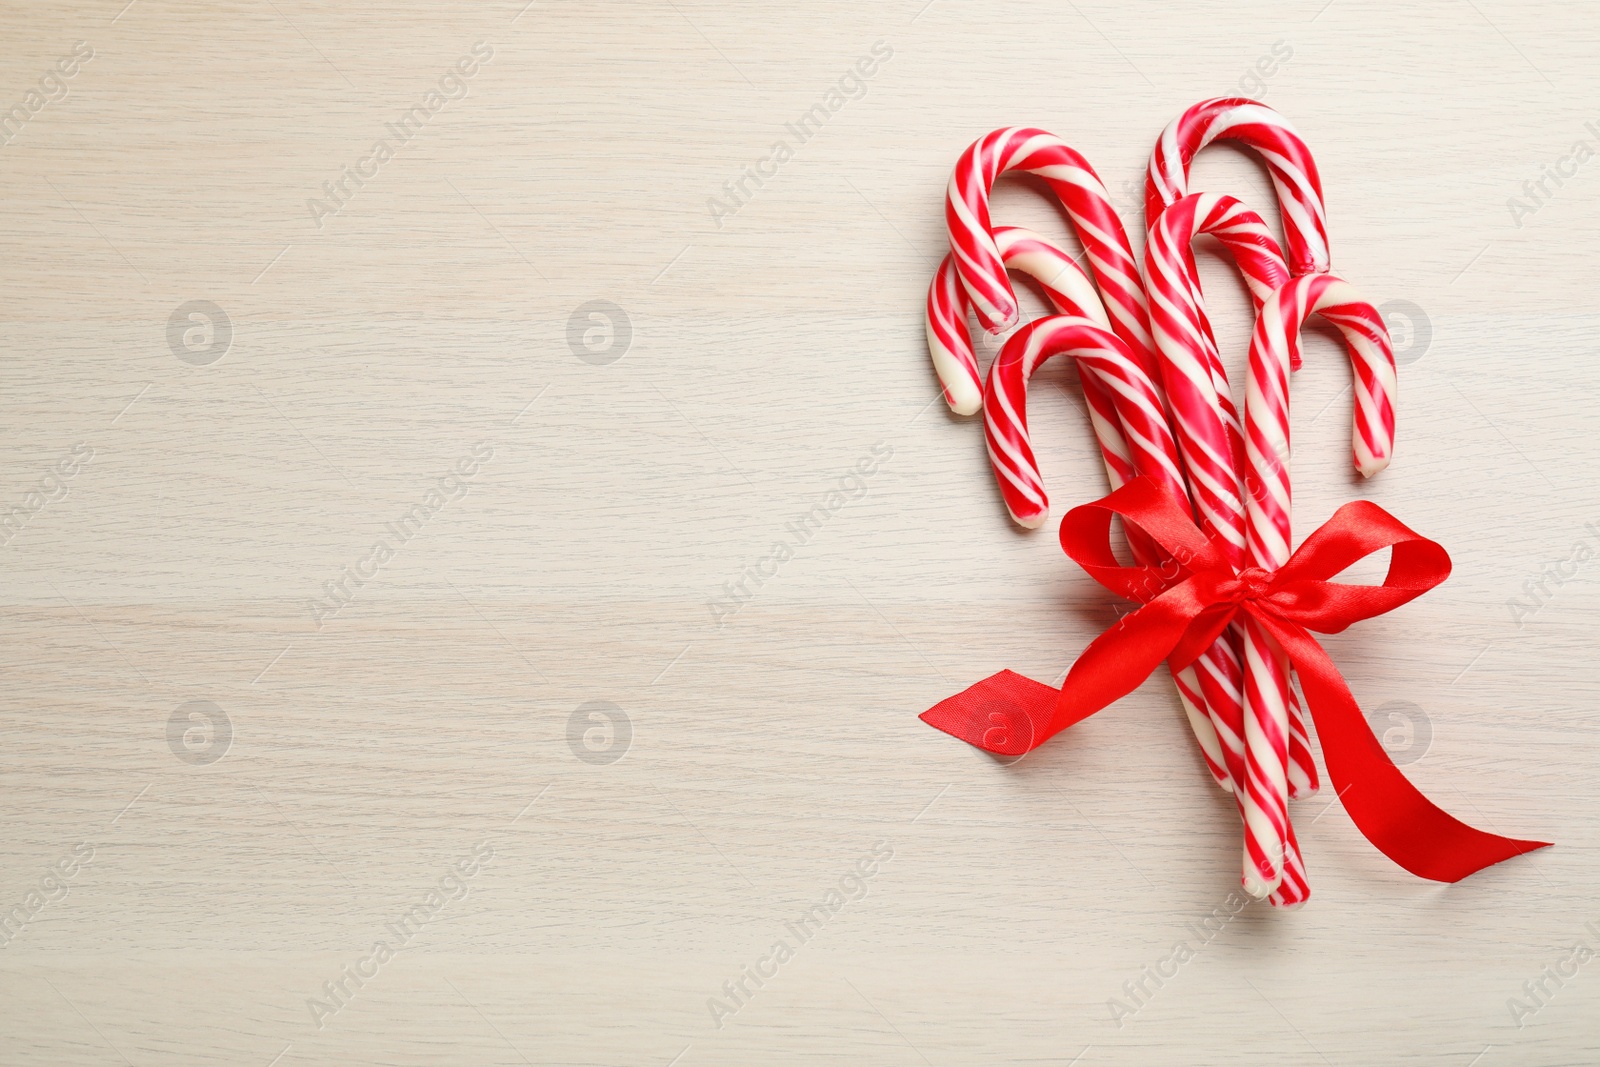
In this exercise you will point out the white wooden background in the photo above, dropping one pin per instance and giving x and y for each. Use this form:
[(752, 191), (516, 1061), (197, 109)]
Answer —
[(433, 715)]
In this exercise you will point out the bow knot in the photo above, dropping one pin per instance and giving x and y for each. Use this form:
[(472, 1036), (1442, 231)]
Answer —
[(1189, 600), (1253, 583)]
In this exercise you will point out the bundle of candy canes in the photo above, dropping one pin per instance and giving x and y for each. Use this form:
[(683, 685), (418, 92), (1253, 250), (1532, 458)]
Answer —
[(1203, 491)]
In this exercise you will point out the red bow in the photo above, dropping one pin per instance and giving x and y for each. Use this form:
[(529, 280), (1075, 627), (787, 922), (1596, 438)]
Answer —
[(1188, 602)]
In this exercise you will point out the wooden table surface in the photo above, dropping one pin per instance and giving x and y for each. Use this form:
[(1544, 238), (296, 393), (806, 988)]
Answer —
[(391, 399)]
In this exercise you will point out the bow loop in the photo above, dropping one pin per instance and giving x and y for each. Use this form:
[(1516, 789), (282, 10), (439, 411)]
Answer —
[(1086, 537), (1303, 593)]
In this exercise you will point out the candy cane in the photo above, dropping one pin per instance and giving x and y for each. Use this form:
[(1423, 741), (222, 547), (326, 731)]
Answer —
[(1294, 172), (1273, 346), (1208, 436), (1299, 189), (1071, 293), (1104, 362), (1203, 414), (1217, 679), (1098, 352), (978, 261)]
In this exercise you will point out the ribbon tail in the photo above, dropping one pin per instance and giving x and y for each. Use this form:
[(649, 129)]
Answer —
[(1008, 715), (1003, 714), (1388, 810), (1119, 660)]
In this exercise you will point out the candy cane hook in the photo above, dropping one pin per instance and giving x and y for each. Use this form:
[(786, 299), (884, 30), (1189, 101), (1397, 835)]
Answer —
[(1070, 292), (978, 261), (1294, 172), (1105, 363)]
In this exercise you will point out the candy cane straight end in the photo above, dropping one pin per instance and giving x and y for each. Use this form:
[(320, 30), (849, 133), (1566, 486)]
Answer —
[(1303, 790), (1256, 886), (963, 398), (1031, 520), (1369, 465), (1262, 875), (1012, 316), (995, 321), (997, 312)]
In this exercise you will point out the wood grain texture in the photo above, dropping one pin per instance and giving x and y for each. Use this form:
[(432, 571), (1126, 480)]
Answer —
[(377, 747)]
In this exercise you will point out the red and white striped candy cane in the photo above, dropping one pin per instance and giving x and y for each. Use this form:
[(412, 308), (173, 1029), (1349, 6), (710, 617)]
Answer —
[(1104, 362), (1205, 422), (1099, 353), (1208, 436), (1305, 223), (1070, 292), (1203, 415), (978, 262), (1294, 172), (1273, 347)]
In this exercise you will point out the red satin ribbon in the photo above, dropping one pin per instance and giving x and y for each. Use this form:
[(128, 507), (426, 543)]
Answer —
[(1188, 601)]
